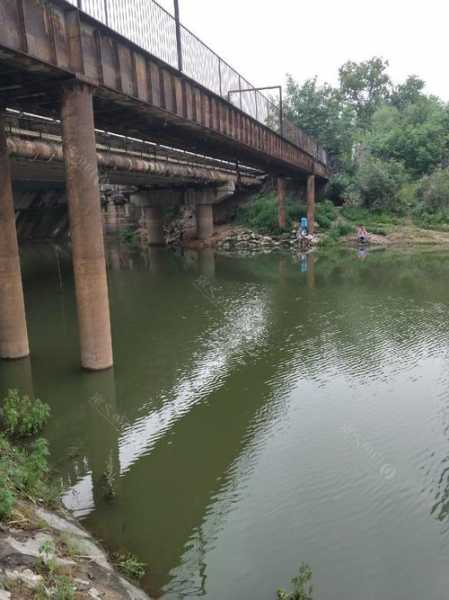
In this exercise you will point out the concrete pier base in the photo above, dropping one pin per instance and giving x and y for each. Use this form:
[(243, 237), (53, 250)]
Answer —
[(86, 227), (205, 218), (311, 203), (152, 218), (13, 328), (282, 219)]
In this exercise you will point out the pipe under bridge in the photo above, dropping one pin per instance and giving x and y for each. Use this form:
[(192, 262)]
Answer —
[(130, 68)]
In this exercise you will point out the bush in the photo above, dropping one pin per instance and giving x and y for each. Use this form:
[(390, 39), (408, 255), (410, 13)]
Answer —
[(340, 230), (433, 192), (22, 469), (338, 187), (261, 214), (378, 184), (21, 416), (325, 214)]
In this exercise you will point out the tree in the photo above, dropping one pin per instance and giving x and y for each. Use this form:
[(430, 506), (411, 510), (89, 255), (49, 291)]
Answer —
[(320, 111), (417, 135), (365, 86), (408, 92)]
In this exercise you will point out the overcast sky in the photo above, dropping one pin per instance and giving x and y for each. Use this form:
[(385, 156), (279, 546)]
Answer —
[(265, 39)]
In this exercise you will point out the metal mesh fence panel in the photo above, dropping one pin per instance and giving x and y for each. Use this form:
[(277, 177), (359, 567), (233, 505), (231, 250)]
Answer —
[(153, 29)]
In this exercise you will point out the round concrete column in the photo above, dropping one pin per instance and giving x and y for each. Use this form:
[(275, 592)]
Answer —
[(86, 227), (205, 216), (311, 203), (13, 328), (153, 224)]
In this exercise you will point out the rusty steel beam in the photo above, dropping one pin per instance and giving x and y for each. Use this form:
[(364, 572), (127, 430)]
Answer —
[(62, 41), (108, 160)]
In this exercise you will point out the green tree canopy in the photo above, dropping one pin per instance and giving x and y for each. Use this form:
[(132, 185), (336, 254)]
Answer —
[(365, 86), (322, 113), (417, 135)]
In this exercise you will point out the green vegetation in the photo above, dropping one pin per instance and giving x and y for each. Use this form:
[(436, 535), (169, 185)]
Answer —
[(21, 416), (56, 585), (129, 236), (24, 468), (388, 143), (261, 214), (302, 586), (130, 566)]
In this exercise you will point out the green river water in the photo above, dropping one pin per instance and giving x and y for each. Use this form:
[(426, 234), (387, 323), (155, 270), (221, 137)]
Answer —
[(263, 411)]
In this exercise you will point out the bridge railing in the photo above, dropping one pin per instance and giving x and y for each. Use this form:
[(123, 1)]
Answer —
[(152, 28)]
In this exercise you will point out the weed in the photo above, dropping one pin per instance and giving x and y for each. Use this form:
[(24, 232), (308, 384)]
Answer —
[(22, 469), (22, 416), (130, 566), (302, 586)]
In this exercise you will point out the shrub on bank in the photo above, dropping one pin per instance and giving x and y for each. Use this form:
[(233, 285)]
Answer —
[(261, 214), (433, 192), (378, 183), (23, 468)]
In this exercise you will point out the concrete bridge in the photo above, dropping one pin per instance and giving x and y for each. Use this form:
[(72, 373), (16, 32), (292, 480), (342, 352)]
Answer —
[(126, 67)]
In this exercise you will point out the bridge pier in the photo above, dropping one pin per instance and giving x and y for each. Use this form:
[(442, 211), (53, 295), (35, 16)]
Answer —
[(151, 217), (311, 203), (282, 219), (205, 220), (83, 194), (13, 327)]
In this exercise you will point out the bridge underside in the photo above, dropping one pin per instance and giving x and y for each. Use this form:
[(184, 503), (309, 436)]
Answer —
[(57, 61), (44, 45)]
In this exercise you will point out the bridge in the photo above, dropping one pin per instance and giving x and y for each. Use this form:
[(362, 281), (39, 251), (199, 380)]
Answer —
[(90, 64)]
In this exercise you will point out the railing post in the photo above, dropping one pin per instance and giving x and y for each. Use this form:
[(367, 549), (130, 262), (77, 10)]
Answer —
[(106, 15), (219, 76), (240, 91), (281, 112), (79, 4), (178, 35), (257, 110)]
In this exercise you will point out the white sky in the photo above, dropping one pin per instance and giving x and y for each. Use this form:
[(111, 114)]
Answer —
[(265, 39)]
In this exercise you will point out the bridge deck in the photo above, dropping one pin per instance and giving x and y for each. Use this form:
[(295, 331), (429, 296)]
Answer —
[(44, 44)]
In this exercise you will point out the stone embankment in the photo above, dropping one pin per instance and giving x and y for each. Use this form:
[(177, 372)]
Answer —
[(246, 240), (47, 555)]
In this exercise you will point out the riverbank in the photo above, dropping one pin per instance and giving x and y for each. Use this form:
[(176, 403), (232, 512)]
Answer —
[(229, 238), (47, 554), (44, 551)]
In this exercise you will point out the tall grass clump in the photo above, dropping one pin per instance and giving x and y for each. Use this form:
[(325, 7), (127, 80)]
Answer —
[(23, 456)]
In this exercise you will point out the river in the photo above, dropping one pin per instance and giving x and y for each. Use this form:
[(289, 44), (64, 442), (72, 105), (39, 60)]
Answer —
[(263, 411)]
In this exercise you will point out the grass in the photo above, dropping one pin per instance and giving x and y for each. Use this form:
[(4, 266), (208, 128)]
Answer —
[(130, 566), (23, 457)]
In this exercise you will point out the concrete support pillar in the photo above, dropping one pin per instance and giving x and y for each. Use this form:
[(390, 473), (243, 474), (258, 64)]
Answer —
[(153, 223), (86, 227), (13, 328), (282, 220), (311, 203), (205, 217)]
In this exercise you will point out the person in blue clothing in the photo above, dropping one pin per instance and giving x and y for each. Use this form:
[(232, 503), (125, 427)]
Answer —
[(362, 234)]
